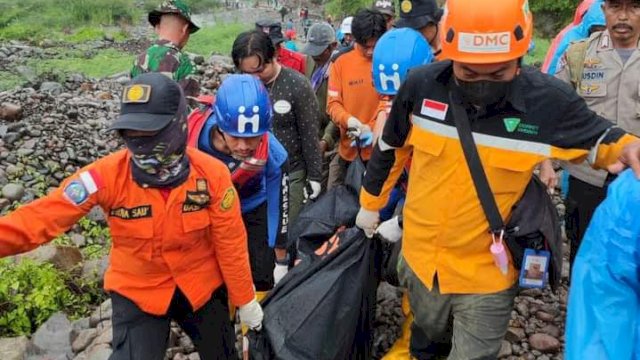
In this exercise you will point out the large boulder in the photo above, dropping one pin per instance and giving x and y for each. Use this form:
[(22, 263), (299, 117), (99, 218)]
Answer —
[(10, 112), (13, 348), (93, 270), (64, 258), (52, 339)]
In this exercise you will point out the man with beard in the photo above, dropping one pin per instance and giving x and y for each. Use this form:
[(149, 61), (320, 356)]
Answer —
[(518, 117), (179, 247), (605, 71)]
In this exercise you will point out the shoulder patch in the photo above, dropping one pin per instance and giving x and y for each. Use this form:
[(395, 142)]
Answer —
[(227, 199), (76, 192), (79, 190)]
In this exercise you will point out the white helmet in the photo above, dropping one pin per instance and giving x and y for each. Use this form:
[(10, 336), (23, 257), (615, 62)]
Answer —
[(345, 27)]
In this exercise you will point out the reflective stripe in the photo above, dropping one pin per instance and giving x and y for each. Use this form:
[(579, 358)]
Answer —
[(491, 141)]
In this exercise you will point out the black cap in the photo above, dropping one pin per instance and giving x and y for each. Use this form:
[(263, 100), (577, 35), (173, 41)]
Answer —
[(149, 102), (417, 14), (271, 28)]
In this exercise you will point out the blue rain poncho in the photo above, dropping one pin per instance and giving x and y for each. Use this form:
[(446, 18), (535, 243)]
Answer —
[(604, 299)]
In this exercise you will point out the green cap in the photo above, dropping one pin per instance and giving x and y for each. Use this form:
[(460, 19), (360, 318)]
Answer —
[(173, 7)]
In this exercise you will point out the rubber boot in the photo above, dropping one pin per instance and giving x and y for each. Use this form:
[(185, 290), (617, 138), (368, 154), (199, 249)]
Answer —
[(400, 349)]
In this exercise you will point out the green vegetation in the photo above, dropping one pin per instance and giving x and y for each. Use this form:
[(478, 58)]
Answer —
[(103, 63), (217, 39), (40, 19), (562, 10), (31, 292), (9, 80), (540, 51)]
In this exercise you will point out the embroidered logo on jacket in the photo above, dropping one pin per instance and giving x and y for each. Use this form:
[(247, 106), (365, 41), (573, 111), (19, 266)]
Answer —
[(199, 199)]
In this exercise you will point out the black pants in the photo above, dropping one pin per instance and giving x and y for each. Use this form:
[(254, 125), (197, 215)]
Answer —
[(261, 257), (141, 336), (582, 201)]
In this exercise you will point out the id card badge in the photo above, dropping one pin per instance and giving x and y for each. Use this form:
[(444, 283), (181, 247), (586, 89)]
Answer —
[(535, 268)]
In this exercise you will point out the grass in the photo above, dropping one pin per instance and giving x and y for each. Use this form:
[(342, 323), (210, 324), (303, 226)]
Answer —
[(542, 45), (108, 62), (104, 63), (39, 19), (216, 39), (9, 80)]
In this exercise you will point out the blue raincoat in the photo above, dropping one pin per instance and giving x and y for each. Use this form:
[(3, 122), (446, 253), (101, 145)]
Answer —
[(604, 300)]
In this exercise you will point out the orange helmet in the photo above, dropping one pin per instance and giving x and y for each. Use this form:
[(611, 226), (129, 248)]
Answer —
[(485, 31)]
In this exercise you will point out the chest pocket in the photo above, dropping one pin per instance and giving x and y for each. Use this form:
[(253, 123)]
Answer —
[(195, 222), (131, 234), (593, 88), (510, 172), (427, 155)]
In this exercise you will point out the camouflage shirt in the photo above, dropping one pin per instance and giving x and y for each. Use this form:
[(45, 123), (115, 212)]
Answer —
[(166, 58)]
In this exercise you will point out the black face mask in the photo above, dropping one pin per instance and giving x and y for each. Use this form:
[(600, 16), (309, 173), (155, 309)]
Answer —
[(484, 92)]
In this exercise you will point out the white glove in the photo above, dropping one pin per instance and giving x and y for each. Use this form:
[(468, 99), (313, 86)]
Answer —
[(279, 272), (390, 230), (368, 220), (251, 315), (312, 190), (355, 128)]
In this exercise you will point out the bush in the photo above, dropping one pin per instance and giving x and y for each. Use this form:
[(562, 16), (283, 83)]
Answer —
[(552, 15), (31, 292)]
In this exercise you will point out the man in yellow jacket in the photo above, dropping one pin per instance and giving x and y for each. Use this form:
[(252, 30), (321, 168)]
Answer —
[(519, 117)]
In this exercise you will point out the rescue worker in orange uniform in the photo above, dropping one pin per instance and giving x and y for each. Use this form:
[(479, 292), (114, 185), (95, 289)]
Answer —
[(179, 246), (519, 117)]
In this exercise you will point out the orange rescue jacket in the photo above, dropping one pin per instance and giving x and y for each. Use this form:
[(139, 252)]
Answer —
[(194, 240)]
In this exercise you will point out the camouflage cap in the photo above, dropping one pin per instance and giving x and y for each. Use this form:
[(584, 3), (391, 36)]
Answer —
[(173, 7)]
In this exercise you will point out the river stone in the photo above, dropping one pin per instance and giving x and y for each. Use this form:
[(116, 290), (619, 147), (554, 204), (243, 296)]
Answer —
[(10, 111), (51, 340), (52, 88), (65, 258), (84, 339), (13, 192), (13, 348), (544, 342)]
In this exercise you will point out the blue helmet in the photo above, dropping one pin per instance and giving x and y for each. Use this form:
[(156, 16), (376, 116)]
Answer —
[(242, 107), (396, 52)]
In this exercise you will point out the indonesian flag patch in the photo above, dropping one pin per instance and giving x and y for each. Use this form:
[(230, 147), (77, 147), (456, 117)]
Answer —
[(434, 109)]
